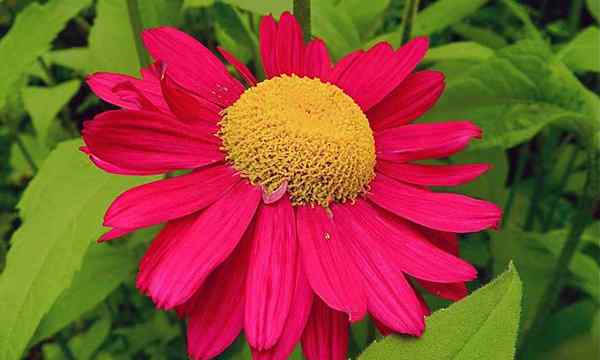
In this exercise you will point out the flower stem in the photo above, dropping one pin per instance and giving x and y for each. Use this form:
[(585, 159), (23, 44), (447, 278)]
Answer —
[(522, 158), (408, 20), (586, 207), (302, 14), (135, 21)]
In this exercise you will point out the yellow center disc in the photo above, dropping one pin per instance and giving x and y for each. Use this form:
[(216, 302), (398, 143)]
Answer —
[(304, 132)]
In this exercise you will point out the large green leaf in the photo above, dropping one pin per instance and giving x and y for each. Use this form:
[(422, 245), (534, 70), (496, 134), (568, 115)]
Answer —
[(583, 52), (262, 7), (481, 326), (335, 27), (594, 8), (104, 268), (62, 212), (31, 36), (76, 58), (111, 40), (366, 15), (44, 103), (444, 13), (514, 94), (160, 12), (459, 51)]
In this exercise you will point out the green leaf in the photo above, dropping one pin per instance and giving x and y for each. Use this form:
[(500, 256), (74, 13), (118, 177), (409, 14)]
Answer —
[(335, 28), (569, 322), (83, 346), (104, 268), (594, 8), (232, 33), (521, 13), (20, 167), (366, 15), (157, 329), (443, 13), (76, 58), (583, 52), (111, 40), (62, 211), (263, 7), (459, 51), (160, 12), (30, 37), (44, 103), (481, 326), (481, 35), (514, 94)]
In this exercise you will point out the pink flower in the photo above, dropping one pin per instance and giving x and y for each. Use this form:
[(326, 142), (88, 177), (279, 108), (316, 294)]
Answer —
[(303, 208)]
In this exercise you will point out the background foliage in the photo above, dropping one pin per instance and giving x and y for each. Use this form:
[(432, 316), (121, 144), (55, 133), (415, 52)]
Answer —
[(525, 71)]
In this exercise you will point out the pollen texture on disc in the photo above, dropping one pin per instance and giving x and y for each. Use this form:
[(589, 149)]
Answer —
[(303, 131)]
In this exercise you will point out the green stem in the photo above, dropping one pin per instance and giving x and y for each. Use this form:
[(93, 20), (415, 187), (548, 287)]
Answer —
[(408, 20), (561, 185), (522, 159), (574, 16), (26, 154), (540, 183), (135, 21), (302, 14)]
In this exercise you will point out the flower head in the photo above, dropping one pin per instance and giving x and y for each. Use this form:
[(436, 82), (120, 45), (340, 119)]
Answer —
[(304, 208)]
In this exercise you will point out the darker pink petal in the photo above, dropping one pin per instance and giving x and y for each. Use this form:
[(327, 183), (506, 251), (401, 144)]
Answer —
[(186, 106), (411, 99), (271, 278), (431, 175), (192, 65), (240, 67), (380, 70), (439, 211), (329, 267), (317, 63), (424, 141), (326, 334), (390, 297), (216, 312), (111, 168), (294, 324), (187, 251), (268, 43), (171, 198), (148, 142), (127, 92)]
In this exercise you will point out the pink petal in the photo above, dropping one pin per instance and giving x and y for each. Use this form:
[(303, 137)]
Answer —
[(390, 297), (240, 67), (439, 211), (137, 95), (411, 99), (216, 312), (434, 175), (424, 141), (271, 278), (108, 167), (187, 251), (342, 67), (317, 63), (294, 324), (186, 106), (192, 65), (326, 334), (449, 291), (380, 70), (330, 270), (269, 198), (168, 199), (148, 142), (268, 42), (281, 45)]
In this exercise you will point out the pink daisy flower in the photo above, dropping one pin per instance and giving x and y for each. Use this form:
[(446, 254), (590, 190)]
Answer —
[(303, 209)]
